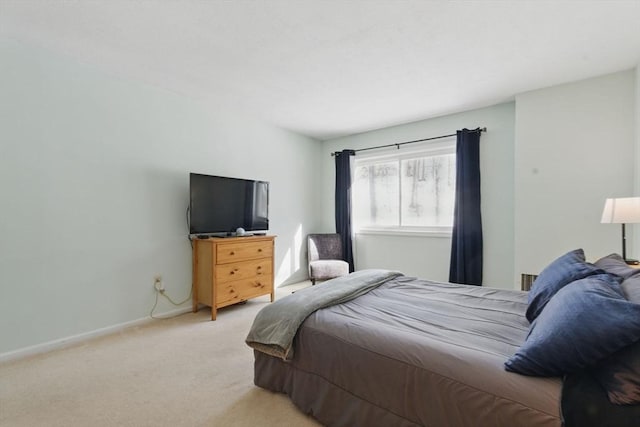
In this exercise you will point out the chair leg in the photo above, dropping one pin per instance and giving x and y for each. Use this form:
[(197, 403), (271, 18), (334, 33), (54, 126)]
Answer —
[(313, 282)]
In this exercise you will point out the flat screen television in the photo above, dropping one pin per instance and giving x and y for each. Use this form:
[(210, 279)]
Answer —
[(219, 205)]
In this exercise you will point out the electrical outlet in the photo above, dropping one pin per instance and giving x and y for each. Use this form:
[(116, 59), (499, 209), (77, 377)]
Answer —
[(157, 283)]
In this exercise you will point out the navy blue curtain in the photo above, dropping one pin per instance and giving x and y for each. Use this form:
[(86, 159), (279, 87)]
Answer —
[(466, 244), (343, 203)]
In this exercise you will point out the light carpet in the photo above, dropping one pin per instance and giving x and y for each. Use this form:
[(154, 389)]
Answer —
[(183, 371)]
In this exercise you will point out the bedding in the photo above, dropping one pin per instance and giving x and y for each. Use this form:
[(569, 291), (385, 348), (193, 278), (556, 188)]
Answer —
[(275, 326), (619, 374), (615, 264), (413, 352), (585, 404), (562, 271), (585, 322)]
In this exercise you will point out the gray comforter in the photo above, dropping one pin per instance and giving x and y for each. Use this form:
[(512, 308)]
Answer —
[(276, 325), (415, 353)]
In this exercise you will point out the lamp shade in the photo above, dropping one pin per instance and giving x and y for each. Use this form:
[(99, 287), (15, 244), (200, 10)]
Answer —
[(624, 210)]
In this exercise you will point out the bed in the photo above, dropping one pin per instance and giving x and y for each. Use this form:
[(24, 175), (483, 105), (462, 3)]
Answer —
[(413, 352)]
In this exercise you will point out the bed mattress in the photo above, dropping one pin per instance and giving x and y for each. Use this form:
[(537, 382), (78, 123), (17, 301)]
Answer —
[(414, 353)]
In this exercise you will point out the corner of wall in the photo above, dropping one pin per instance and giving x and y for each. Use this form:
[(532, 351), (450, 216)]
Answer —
[(636, 183)]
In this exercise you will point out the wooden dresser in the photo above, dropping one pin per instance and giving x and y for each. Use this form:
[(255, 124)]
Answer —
[(231, 270)]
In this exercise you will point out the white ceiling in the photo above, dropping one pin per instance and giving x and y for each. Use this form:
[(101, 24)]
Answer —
[(332, 68)]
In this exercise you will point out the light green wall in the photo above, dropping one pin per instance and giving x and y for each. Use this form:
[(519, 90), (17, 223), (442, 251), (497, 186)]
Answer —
[(574, 148), (94, 187)]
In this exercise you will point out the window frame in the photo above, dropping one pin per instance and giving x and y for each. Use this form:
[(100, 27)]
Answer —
[(428, 150)]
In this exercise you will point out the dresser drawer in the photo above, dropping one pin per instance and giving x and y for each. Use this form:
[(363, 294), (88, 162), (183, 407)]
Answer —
[(243, 270), (240, 251), (228, 293)]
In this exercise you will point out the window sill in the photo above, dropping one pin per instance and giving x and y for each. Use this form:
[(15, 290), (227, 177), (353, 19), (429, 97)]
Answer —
[(408, 233)]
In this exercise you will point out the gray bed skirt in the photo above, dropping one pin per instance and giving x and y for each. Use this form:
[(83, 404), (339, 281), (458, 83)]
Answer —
[(319, 398)]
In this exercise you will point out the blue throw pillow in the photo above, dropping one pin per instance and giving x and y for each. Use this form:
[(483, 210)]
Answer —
[(615, 264), (564, 270), (582, 324)]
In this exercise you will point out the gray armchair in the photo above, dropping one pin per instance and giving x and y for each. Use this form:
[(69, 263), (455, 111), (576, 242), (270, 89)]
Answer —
[(325, 257)]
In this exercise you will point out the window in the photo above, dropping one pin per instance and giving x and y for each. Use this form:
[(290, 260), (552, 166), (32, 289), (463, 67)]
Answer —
[(405, 192)]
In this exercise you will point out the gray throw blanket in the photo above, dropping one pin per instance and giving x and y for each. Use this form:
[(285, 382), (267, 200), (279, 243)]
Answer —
[(276, 325)]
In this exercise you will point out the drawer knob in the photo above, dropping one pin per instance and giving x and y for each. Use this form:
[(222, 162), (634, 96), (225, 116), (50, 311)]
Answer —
[(232, 253), (259, 267), (259, 249), (232, 272)]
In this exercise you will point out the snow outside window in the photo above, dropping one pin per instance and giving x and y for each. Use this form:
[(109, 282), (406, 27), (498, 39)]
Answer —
[(405, 192)]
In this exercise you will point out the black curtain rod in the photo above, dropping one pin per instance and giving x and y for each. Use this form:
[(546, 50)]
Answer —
[(398, 144)]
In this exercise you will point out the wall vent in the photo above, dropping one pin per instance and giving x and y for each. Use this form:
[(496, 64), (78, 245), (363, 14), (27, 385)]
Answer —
[(526, 281)]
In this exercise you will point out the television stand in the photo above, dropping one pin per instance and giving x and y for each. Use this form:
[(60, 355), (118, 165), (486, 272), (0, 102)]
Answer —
[(231, 270)]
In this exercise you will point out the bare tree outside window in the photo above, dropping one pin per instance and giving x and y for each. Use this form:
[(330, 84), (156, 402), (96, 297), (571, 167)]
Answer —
[(409, 192), (375, 191), (428, 190)]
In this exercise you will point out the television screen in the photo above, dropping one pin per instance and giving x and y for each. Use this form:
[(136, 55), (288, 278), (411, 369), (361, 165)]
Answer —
[(221, 205)]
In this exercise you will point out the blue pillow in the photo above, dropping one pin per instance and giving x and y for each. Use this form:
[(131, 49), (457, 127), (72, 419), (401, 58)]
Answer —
[(615, 264), (564, 270), (583, 323)]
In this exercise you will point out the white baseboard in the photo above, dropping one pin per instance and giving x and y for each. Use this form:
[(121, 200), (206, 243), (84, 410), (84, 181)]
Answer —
[(74, 339)]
